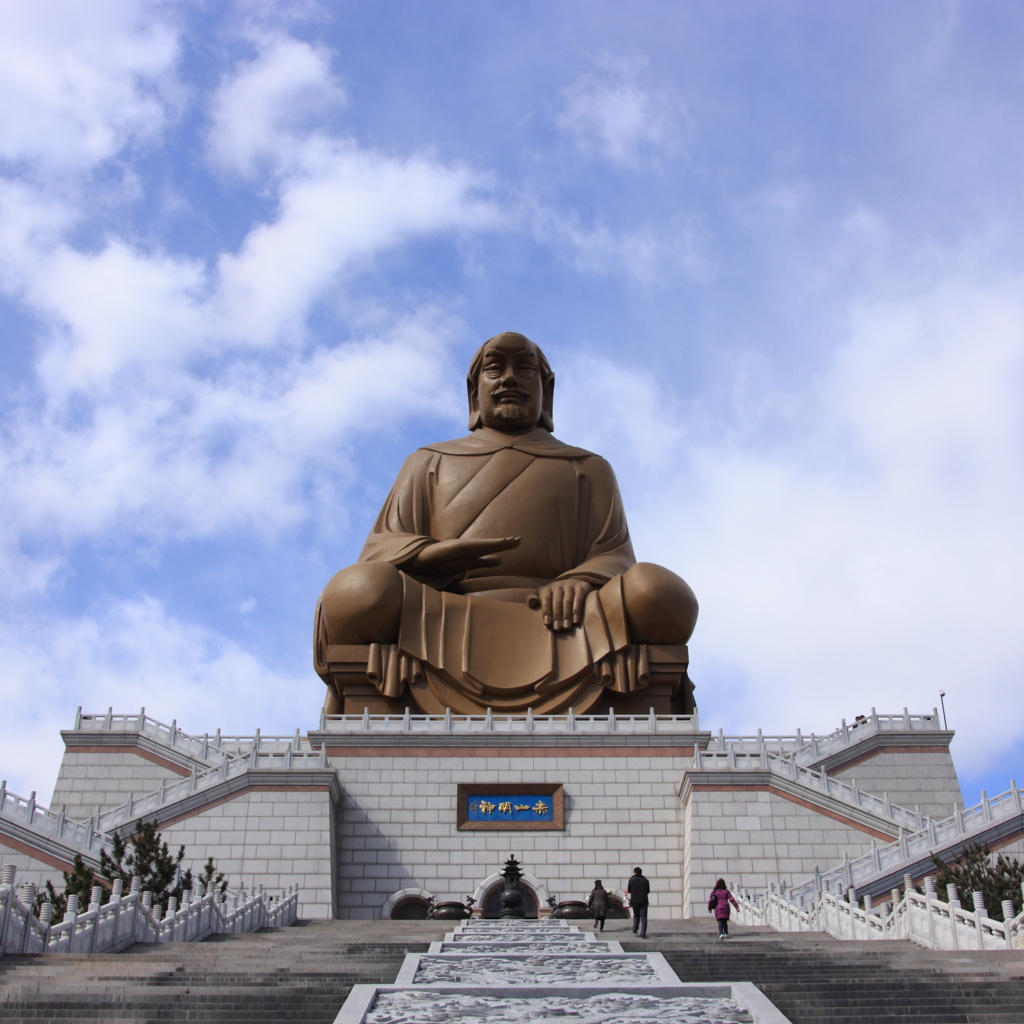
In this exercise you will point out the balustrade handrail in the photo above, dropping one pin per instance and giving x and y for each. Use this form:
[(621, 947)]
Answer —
[(209, 747), (805, 749), (135, 808), (798, 746), (55, 824), (93, 835), (528, 723), (932, 839), (128, 919), (820, 781), (924, 919)]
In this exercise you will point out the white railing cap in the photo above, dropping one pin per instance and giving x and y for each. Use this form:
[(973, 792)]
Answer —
[(500, 723)]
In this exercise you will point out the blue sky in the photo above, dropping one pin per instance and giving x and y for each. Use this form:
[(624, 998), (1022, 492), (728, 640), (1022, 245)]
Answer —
[(772, 250)]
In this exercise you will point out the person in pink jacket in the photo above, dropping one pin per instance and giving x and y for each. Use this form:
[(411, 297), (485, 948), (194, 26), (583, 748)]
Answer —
[(719, 904)]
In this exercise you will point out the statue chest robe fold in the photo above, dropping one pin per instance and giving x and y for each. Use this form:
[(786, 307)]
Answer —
[(472, 651)]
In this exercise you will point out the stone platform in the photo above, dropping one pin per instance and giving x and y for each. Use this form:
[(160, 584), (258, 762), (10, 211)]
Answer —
[(479, 980), (305, 973), (372, 815)]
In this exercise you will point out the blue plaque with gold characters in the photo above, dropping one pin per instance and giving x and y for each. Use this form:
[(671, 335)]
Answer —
[(512, 806)]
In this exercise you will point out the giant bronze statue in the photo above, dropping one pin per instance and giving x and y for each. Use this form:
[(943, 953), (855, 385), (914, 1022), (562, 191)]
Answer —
[(500, 575)]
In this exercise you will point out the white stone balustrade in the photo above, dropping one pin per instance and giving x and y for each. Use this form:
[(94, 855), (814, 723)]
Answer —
[(809, 749), (527, 723), (936, 837), (133, 809), (797, 746), (50, 823), (92, 836), (818, 747), (213, 748), (128, 919), (787, 768), (923, 919)]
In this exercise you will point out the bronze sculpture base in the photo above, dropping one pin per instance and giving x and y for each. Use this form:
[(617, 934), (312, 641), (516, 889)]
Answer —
[(350, 691)]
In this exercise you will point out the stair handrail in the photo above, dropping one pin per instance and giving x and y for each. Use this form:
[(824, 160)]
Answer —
[(819, 781), (136, 807), (932, 839), (491, 722), (210, 747), (92, 836), (124, 920), (807, 748), (56, 824), (921, 918)]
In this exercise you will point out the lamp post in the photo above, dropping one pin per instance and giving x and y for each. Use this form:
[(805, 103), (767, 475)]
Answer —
[(942, 701)]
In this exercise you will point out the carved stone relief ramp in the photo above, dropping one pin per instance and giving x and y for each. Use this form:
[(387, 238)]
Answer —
[(508, 971)]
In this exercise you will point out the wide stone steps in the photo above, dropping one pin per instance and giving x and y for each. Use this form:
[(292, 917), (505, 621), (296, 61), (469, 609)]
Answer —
[(304, 974), (814, 980)]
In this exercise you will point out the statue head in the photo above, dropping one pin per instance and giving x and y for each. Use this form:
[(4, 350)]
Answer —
[(511, 386)]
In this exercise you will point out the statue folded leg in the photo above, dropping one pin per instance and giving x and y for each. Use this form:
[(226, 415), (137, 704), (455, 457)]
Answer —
[(481, 653)]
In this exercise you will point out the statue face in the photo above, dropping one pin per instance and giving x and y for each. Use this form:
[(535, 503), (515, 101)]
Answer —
[(510, 390)]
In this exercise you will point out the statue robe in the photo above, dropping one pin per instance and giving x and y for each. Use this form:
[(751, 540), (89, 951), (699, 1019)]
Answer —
[(472, 642)]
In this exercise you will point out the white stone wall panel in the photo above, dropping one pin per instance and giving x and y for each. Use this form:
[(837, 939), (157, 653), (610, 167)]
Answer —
[(105, 779), (619, 814)]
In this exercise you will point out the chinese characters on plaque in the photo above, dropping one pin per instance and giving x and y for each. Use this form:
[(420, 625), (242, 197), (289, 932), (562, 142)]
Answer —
[(502, 806), (516, 806)]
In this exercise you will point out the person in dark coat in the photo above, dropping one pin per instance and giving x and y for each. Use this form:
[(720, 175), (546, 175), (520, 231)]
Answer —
[(597, 903), (719, 905), (639, 890)]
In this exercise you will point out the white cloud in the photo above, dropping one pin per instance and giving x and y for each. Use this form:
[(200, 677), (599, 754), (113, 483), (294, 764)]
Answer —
[(159, 374), (650, 257), (873, 558), (342, 208), (80, 81), (636, 417), (262, 113), (183, 455), (610, 112), (132, 654)]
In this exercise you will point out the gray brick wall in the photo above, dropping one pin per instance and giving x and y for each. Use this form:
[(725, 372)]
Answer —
[(925, 779), (397, 827), (90, 780), (277, 838), (752, 839)]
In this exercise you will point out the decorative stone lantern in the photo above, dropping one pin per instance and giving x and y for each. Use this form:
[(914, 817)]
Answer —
[(512, 896)]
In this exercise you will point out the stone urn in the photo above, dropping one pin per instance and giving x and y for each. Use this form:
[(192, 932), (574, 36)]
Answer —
[(575, 909), (451, 911)]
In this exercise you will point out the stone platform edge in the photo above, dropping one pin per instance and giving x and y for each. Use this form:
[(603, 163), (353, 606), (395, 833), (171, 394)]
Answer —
[(744, 994), (438, 948), (359, 744), (660, 966)]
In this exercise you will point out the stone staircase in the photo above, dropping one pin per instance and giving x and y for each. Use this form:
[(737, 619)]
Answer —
[(817, 980), (304, 973)]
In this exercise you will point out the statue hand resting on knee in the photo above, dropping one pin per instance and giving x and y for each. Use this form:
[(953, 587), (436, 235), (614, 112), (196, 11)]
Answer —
[(499, 573)]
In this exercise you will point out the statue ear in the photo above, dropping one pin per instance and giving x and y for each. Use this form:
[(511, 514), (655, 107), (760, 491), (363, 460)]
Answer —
[(475, 422), (547, 416)]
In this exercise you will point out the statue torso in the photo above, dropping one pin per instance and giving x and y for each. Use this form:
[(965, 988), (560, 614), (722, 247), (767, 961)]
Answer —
[(562, 501)]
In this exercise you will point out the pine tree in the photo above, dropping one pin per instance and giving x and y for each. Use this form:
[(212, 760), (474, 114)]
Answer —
[(973, 871), (78, 883), (212, 878), (147, 855)]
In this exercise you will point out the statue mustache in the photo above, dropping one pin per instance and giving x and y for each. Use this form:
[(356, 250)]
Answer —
[(511, 412)]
